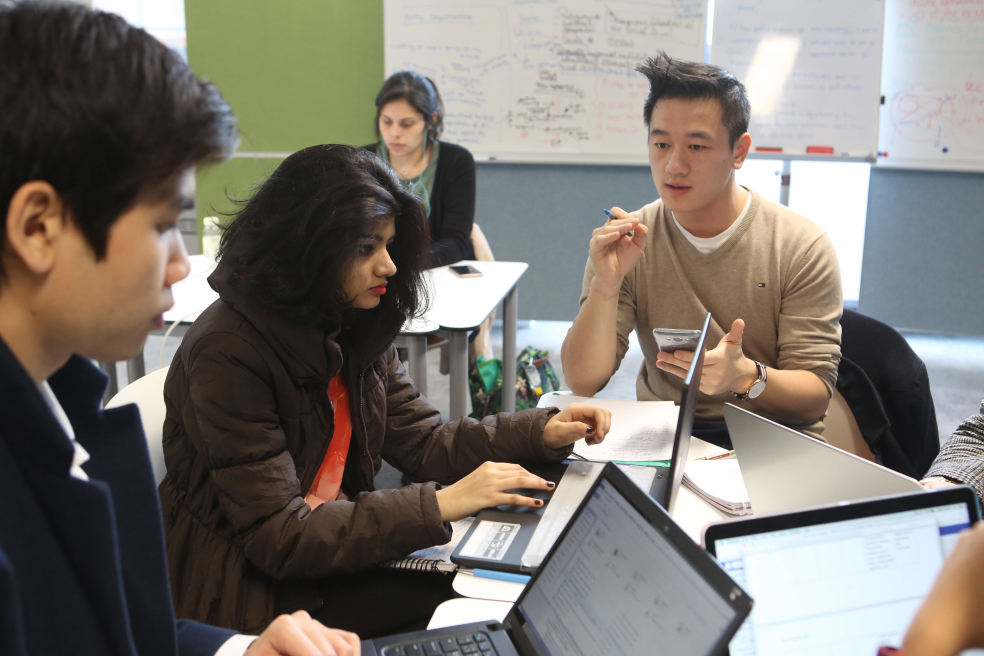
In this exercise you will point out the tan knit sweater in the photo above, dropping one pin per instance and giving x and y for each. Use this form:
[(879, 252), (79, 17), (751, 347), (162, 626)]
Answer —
[(778, 272)]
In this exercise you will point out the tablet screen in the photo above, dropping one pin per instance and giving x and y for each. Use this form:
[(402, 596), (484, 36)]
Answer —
[(843, 587)]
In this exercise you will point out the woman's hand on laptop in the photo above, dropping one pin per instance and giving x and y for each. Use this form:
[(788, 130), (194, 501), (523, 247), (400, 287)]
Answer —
[(574, 422), (486, 487), (298, 634), (951, 618)]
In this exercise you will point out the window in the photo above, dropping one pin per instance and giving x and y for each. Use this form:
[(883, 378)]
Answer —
[(834, 195), (164, 19)]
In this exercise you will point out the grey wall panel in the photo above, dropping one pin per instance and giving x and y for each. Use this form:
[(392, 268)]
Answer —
[(923, 265), (543, 214)]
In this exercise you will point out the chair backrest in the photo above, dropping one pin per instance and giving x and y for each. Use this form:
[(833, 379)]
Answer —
[(887, 387), (148, 394)]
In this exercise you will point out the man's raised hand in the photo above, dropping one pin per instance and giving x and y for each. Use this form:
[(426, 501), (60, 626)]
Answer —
[(613, 251)]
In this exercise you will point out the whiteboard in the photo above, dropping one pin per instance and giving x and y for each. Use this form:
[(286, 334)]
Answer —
[(542, 80), (811, 67), (933, 81)]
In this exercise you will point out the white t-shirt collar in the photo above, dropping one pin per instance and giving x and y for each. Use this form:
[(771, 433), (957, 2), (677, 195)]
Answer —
[(709, 244)]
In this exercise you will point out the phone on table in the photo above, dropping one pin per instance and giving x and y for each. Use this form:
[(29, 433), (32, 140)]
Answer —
[(465, 271), (669, 339)]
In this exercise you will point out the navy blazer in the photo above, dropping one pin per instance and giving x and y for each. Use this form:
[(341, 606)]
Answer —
[(83, 568)]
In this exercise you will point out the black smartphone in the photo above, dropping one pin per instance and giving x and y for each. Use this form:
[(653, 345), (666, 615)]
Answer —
[(465, 271)]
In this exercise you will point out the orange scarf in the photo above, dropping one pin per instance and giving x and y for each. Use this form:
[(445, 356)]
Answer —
[(328, 482)]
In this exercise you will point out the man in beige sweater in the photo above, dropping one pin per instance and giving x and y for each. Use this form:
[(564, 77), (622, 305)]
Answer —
[(768, 276)]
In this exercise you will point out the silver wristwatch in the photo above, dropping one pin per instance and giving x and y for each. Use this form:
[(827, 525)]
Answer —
[(757, 387)]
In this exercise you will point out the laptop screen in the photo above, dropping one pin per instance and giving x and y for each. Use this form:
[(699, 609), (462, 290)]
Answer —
[(616, 585), (840, 587)]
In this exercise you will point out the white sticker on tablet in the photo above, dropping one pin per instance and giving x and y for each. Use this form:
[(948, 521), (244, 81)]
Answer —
[(490, 540)]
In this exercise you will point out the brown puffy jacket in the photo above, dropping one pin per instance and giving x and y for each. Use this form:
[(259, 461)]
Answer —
[(248, 424)]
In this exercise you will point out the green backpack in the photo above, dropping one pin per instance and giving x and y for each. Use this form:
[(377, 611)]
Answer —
[(535, 376)]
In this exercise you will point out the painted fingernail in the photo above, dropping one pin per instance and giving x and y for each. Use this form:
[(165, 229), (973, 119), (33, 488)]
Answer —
[(538, 502), (551, 484), (590, 430)]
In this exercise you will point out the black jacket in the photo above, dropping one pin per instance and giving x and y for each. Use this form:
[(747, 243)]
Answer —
[(887, 388), (82, 564), (452, 205)]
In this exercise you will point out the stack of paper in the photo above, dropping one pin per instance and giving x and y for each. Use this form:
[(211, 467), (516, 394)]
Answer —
[(719, 483), (641, 431)]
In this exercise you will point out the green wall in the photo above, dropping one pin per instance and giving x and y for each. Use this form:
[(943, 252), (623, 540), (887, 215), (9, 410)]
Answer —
[(296, 73)]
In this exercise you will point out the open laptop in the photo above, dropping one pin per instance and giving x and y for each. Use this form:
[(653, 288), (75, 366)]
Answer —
[(622, 578), (666, 494), (842, 579), (499, 537), (786, 470)]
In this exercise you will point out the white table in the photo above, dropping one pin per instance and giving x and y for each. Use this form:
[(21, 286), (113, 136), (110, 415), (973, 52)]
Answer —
[(457, 306), (413, 337)]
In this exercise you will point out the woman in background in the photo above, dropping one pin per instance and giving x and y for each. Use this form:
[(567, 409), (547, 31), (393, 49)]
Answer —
[(409, 123), (286, 394)]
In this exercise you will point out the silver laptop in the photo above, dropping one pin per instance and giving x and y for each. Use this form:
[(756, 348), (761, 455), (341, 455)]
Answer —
[(787, 470)]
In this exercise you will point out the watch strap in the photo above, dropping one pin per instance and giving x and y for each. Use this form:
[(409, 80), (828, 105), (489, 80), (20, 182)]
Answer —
[(762, 377)]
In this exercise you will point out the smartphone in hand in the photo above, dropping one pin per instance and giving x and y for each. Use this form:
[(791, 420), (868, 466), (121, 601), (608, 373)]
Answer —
[(669, 339)]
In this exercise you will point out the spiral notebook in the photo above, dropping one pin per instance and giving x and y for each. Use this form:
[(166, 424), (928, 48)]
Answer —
[(719, 483), (436, 558)]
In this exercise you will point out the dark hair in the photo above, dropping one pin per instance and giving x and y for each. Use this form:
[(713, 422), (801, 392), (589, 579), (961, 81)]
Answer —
[(420, 92), (677, 78), (100, 110), (291, 243)]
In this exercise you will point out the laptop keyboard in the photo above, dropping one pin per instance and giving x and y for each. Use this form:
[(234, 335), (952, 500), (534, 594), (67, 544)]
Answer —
[(473, 644)]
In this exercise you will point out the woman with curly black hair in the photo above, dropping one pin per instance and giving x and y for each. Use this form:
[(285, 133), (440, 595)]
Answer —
[(286, 394)]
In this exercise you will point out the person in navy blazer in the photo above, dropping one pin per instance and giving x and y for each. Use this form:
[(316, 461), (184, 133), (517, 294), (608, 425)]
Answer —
[(100, 126)]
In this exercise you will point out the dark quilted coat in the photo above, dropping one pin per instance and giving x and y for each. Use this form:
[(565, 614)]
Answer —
[(248, 424)]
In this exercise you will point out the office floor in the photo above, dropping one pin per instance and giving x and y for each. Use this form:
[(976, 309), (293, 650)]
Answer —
[(955, 364)]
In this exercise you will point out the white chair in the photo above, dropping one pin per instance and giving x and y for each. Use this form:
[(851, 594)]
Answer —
[(148, 394)]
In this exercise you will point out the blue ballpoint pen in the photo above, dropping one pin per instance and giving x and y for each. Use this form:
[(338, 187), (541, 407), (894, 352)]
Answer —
[(611, 217)]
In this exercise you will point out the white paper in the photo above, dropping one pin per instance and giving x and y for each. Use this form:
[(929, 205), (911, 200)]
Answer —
[(718, 481), (444, 551), (641, 430)]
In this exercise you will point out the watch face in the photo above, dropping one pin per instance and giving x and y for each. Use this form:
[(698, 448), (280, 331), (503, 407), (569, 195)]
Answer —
[(756, 389)]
